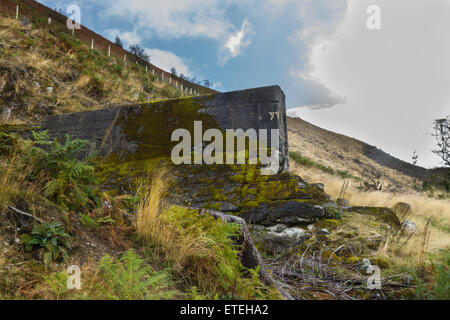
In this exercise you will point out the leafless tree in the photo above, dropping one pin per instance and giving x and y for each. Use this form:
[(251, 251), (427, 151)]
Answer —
[(442, 135)]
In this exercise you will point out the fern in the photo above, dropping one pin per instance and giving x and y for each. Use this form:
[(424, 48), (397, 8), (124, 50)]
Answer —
[(65, 180), (130, 278)]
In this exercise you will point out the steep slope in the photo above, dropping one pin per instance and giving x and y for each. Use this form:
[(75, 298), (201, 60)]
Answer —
[(45, 71), (353, 156)]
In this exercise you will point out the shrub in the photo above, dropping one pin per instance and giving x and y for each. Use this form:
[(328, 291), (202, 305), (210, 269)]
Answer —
[(439, 288), (65, 180), (52, 237)]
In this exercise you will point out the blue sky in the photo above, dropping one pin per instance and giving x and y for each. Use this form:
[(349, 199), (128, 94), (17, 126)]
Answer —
[(384, 87)]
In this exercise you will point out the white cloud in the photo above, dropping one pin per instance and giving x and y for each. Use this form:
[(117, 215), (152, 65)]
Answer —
[(166, 60), (128, 38), (187, 18), (236, 42), (174, 18), (395, 80)]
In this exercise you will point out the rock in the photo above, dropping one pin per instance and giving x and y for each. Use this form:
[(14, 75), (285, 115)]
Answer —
[(402, 210), (301, 185), (364, 265), (343, 202), (277, 228), (276, 242), (321, 186), (324, 231), (228, 207), (408, 228), (290, 213)]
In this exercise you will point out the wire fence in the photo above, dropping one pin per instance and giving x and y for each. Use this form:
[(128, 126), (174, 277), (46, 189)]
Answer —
[(44, 15)]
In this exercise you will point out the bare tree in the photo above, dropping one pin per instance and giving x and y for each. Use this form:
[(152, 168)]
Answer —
[(442, 135)]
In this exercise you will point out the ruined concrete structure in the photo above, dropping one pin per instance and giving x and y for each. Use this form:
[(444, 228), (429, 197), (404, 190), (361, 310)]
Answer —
[(135, 141), (144, 131)]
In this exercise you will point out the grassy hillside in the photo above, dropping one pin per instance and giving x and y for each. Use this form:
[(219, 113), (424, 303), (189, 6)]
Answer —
[(366, 176), (45, 71), (353, 156)]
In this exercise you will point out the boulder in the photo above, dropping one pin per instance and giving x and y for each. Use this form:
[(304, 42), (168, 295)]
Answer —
[(291, 213), (408, 228), (277, 241)]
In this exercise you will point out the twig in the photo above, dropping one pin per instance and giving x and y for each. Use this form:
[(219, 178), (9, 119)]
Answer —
[(303, 255), (26, 214)]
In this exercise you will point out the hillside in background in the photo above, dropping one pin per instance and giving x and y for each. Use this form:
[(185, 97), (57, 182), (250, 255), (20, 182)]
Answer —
[(354, 157)]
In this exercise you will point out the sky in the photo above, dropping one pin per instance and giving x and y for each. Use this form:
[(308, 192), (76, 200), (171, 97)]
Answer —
[(379, 76)]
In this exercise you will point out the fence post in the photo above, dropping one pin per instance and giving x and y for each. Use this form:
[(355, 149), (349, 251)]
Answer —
[(146, 68), (17, 12), (153, 71), (162, 76), (109, 51), (125, 58), (92, 43), (49, 20)]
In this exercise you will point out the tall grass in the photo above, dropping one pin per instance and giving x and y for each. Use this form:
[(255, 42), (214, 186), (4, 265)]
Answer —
[(197, 247), (424, 209)]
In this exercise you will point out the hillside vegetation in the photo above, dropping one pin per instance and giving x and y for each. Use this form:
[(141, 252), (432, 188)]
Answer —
[(45, 71), (365, 176)]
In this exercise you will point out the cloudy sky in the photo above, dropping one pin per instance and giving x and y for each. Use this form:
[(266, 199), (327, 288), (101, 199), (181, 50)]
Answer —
[(383, 86)]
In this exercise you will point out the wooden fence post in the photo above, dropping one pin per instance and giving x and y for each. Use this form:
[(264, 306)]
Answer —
[(109, 51), (17, 12), (92, 43)]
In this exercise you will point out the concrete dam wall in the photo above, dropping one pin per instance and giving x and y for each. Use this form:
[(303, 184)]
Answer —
[(144, 131)]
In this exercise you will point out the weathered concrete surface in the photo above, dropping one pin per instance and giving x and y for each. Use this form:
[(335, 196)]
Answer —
[(135, 141), (144, 131)]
